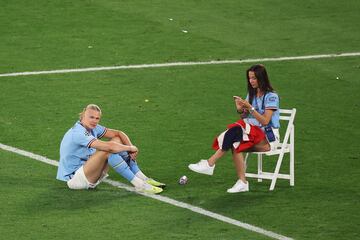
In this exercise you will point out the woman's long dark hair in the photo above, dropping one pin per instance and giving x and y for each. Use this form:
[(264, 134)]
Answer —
[(262, 78)]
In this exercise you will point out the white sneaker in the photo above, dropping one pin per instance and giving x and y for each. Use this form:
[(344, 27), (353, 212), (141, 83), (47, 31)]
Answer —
[(202, 167), (239, 186)]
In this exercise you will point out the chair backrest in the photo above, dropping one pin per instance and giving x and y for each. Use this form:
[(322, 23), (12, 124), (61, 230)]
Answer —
[(286, 145), (287, 115)]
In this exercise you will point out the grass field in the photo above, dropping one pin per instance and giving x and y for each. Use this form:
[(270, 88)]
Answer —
[(188, 106)]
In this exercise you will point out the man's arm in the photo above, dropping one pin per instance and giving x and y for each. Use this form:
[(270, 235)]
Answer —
[(111, 133), (124, 140), (112, 147)]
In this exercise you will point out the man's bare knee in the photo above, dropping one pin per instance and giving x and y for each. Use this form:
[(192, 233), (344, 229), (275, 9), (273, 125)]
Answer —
[(116, 139), (101, 154)]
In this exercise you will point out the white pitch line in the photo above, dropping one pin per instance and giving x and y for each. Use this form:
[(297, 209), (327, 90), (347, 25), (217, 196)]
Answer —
[(158, 197), (175, 64), (29, 154)]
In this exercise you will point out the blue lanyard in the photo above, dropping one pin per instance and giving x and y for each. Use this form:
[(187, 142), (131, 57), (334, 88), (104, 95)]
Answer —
[(263, 103)]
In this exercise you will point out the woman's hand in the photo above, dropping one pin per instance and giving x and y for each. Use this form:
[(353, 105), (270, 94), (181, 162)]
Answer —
[(241, 103), (263, 119)]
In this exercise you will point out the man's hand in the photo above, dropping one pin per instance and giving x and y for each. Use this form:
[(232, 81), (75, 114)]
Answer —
[(133, 152)]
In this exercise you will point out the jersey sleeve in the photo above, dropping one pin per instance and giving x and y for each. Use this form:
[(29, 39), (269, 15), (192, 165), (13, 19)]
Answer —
[(100, 131), (272, 101), (83, 138)]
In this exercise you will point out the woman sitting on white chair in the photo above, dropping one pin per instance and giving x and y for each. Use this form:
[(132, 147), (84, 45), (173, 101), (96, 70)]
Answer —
[(257, 130)]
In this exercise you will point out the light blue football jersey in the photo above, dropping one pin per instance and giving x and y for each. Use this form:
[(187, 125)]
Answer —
[(75, 149), (271, 101)]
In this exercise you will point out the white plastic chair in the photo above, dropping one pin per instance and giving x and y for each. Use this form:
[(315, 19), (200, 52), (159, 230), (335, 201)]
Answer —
[(285, 146)]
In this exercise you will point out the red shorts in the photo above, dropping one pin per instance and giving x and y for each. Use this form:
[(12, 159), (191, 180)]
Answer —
[(255, 136)]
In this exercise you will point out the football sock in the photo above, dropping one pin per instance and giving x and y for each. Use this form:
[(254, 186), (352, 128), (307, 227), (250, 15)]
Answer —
[(120, 166), (134, 167), (137, 182), (141, 175), (132, 163)]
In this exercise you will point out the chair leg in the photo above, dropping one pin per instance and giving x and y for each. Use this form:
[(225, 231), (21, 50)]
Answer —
[(260, 166), (292, 158), (276, 172)]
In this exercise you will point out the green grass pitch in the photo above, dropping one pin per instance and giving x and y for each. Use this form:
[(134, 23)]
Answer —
[(187, 107)]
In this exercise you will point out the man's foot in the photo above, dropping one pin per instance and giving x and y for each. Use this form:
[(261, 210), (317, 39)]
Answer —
[(202, 167), (147, 188), (155, 183), (239, 186)]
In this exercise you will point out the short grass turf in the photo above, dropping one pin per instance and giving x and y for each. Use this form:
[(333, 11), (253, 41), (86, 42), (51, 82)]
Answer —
[(36, 206), (187, 107), (70, 34)]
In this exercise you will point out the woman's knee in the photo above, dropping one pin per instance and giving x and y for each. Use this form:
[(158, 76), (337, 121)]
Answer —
[(263, 146)]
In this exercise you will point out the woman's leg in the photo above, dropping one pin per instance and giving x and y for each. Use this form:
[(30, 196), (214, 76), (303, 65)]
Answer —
[(218, 154), (241, 184), (231, 136), (239, 163), (262, 146)]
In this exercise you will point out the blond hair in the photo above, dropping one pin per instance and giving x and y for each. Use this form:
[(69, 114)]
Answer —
[(90, 106)]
